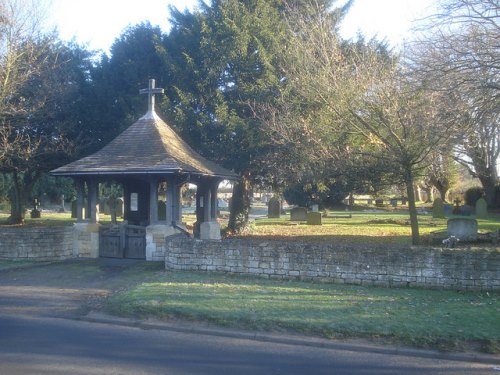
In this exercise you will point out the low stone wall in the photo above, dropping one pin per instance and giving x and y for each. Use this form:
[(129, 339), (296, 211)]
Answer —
[(38, 243), (477, 269)]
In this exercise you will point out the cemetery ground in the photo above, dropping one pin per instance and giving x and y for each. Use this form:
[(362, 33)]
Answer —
[(438, 319)]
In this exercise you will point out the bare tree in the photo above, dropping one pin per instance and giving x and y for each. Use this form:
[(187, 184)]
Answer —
[(460, 56), (361, 92), (28, 59)]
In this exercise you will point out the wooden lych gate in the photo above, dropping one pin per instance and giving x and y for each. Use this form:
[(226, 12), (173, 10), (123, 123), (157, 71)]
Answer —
[(122, 241)]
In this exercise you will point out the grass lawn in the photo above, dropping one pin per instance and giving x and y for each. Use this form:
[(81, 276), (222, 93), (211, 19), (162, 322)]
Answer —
[(383, 227), (447, 320)]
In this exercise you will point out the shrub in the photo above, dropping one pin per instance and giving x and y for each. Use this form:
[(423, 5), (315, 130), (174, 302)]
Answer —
[(472, 195)]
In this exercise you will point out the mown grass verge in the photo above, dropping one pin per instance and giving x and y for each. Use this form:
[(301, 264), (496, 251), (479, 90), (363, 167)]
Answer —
[(447, 320)]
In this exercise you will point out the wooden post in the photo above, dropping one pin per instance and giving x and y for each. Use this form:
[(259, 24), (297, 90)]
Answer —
[(93, 194), (79, 200), (170, 201), (207, 211), (153, 200), (213, 192)]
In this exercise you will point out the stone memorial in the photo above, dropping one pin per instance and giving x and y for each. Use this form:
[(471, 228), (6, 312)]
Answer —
[(438, 209), (465, 229), (313, 218), (73, 209), (379, 202), (394, 202), (274, 208), (315, 208), (465, 210), (36, 213), (481, 208), (298, 214)]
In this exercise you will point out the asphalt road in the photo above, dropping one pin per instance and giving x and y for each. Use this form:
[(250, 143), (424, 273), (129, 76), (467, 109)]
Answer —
[(45, 345)]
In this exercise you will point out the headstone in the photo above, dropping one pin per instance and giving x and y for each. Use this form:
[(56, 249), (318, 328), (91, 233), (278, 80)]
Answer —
[(119, 207), (104, 206), (162, 211), (36, 213), (481, 208), (438, 209), (315, 208), (466, 210), (274, 208), (448, 209), (298, 214), (465, 229), (394, 203), (73, 209), (369, 201), (313, 218), (379, 202)]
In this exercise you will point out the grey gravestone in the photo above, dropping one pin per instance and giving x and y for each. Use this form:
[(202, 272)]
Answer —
[(438, 209), (104, 206), (313, 218), (119, 207), (315, 208), (298, 214), (274, 208), (162, 211), (73, 209), (465, 210), (465, 229), (379, 202), (448, 209), (481, 208), (394, 203)]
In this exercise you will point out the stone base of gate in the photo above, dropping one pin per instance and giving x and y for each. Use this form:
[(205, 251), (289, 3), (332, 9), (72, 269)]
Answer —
[(86, 240), (155, 240), (210, 230)]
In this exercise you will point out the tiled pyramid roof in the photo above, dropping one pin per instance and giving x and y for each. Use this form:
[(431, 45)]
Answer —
[(149, 146)]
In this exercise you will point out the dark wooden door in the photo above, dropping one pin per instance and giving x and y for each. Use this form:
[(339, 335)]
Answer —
[(122, 241), (110, 242), (135, 242)]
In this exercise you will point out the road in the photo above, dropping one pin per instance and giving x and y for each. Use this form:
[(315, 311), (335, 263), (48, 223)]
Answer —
[(46, 345)]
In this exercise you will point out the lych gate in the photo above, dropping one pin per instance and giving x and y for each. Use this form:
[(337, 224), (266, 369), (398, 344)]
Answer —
[(145, 155)]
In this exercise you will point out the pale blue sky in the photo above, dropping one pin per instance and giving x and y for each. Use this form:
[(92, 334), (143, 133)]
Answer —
[(97, 23)]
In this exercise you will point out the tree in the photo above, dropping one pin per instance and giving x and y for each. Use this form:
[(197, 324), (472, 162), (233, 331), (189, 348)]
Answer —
[(459, 56), (367, 98), (442, 172), (40, 80), (226, 58)]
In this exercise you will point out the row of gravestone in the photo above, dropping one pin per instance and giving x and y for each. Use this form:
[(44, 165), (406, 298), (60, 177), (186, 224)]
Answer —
[(296, 214), (104, 207), (439, 209)]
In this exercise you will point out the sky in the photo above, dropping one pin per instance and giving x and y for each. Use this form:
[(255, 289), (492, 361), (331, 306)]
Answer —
[(97, 23)]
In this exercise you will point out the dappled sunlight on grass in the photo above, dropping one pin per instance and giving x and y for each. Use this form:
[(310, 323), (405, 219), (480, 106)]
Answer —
[(408, 315), (379, 228)]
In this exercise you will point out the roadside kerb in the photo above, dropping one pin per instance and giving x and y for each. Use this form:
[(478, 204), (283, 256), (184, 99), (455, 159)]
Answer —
[(97, 317)]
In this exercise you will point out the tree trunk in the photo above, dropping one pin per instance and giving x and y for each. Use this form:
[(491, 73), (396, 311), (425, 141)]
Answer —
[(443, 190), (240, 204), (489, 190), (416, 189), (415, 236), (17, 201)]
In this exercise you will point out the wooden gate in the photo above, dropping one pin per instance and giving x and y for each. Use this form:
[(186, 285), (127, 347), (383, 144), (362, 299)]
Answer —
[(122, 241)]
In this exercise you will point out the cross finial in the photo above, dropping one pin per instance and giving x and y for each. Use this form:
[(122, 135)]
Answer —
[(151, 91)]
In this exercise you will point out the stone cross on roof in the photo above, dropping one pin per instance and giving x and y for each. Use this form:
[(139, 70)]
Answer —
[(151, 91)]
